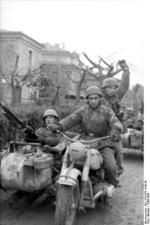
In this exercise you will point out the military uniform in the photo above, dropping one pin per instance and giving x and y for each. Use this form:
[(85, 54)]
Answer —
[(113, 103), (99, 122), (114, 100), (48, 136)]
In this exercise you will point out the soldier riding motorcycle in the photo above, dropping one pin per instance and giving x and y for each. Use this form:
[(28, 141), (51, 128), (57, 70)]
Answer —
[(82, 181), (96, 121)]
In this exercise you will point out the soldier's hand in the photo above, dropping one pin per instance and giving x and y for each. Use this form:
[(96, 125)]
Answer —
[(55, 127), (123, 64), (115, 136), (29, 134)]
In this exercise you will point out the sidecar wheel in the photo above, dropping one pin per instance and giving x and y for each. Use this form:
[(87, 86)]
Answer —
[(66, 205)]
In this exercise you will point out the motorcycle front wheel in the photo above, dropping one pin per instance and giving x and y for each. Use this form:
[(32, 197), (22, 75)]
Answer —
[(66, 205)]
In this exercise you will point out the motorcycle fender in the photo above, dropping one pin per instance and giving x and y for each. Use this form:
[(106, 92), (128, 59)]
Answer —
[(69, 177)]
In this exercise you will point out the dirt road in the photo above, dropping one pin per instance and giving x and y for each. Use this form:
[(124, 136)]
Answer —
[(127, 207)]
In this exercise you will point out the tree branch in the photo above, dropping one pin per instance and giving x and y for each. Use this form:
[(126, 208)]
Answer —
[(16, 64), (107, 64), (113, 73), (98, 66), (91, 61)]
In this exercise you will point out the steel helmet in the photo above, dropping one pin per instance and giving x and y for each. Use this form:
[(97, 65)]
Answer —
[(110, 82), (50, 112), (77, 150), (92, 90)]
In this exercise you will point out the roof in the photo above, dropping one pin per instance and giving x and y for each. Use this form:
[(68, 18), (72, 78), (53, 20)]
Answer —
[(58, 57), (50, 47), (20, 35), (58, 52)]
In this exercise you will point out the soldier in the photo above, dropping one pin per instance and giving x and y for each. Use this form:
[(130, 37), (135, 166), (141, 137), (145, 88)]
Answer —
[(96, 120), (140, 120), (113, 93), (44, 135), (131, 119)]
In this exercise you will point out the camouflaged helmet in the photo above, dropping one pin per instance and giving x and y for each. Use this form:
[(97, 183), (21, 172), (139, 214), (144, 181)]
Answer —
[(92, 90), (50, 112), (110, 82)]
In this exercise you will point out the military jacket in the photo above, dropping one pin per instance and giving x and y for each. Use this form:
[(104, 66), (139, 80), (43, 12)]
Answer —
[(98, 122), (49, 137), (114, 100)]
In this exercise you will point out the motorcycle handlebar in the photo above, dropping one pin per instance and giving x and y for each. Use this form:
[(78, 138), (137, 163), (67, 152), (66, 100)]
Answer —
[(83, 141)]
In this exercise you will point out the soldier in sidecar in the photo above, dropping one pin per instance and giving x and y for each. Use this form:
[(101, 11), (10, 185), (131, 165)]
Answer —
[(44, 135), (29, 166)]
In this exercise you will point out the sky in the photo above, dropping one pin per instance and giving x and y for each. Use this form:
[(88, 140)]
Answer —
[(112, 29)]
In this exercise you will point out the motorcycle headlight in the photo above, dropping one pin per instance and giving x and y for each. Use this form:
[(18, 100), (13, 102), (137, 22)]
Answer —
[(77, 150)]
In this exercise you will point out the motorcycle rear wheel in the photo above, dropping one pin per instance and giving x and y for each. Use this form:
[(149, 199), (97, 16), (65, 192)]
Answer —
[(66, 205)]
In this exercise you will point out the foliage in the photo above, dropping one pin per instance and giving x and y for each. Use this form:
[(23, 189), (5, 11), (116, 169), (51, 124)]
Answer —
[(30, 114)]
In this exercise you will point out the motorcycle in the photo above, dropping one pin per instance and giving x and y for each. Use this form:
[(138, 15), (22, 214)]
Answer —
[(82, 179), (133, 139)]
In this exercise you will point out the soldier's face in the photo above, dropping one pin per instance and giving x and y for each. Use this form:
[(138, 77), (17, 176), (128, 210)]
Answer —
[(93, 101), (111, 90), (50, 120)]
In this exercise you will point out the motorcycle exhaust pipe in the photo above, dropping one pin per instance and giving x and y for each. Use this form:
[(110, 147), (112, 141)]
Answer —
[(97, 195), (108, 191)]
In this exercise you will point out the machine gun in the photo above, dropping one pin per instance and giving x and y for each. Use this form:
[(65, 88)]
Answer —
[(29, 133), (10, 116)]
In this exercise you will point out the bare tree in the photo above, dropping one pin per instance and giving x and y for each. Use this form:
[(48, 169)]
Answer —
[(16, 81), (34, 78), (78, 83), (103, 72), (13, 79), (85, 71), (47, 88)]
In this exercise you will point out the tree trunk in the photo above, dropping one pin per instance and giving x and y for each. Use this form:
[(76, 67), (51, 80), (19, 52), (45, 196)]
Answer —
[(79, 87), (16, 95)]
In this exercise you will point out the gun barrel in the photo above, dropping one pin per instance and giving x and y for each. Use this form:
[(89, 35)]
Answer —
[(11, 116)]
